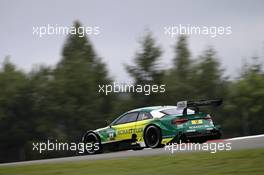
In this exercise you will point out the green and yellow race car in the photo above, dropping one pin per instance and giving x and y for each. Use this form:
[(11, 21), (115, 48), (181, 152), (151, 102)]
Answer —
[(155, 127)]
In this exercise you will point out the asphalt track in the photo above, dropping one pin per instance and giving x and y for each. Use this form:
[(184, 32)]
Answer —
[(237, 143)]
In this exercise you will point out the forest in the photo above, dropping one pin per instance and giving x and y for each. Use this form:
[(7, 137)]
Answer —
[(61, 102)]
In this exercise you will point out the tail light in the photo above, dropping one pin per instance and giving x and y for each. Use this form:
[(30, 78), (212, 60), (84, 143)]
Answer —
[(179, 121), (208, 117)]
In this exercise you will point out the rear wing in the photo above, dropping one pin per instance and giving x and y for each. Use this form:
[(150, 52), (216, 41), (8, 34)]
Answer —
[(197, 103)]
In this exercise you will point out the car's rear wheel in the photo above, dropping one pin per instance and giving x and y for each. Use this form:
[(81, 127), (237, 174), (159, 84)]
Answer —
[(152, 137), (93, 142)]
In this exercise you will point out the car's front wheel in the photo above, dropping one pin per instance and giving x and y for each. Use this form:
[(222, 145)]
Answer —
[(152, 137), (93, 144)]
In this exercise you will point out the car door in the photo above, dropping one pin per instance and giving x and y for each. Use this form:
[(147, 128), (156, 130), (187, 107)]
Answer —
[(142, 120), (124, 127)]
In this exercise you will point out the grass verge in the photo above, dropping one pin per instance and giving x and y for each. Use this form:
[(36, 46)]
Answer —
[(244, 162)]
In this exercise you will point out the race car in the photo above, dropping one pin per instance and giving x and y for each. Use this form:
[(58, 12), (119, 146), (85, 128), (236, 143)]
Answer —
[(155, 127)]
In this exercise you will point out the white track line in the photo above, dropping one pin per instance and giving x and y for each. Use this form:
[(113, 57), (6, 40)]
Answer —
[(246, 137)]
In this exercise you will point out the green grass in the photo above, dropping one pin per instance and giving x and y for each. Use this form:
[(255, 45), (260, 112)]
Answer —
[(244, 162)]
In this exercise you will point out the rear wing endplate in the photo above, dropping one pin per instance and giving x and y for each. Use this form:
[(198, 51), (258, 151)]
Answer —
[(197, 103)]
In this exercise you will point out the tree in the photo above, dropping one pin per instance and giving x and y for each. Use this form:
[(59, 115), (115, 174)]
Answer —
[(246, 98), (14, 113), (75, 88), (146, 70), (182, 60), (178, 79), (209, 81)]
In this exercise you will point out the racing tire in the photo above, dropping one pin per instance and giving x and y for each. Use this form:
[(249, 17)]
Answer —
[(152, 137), (94, 140)]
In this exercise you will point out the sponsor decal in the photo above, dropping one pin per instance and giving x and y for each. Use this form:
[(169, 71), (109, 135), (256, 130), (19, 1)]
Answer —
[(129, 131), (198, 126)]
